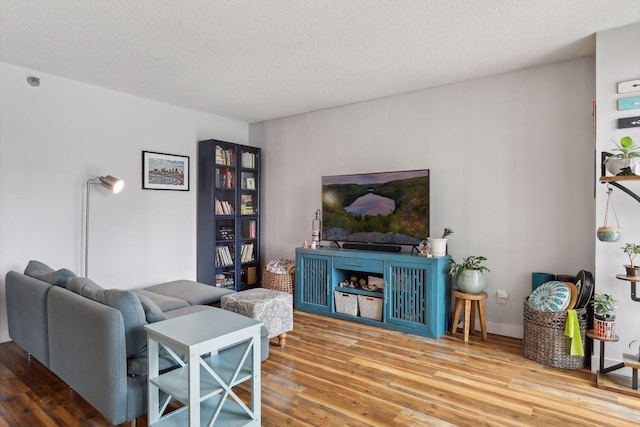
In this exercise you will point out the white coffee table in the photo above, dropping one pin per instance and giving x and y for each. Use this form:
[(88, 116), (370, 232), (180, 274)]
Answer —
[(222, 350)]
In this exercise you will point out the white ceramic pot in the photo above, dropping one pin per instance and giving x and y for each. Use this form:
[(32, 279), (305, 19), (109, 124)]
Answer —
[(615, 166), (438, 246), (470, 281)]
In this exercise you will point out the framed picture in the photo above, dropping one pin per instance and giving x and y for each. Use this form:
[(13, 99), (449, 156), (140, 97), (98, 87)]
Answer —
[(161, 171)]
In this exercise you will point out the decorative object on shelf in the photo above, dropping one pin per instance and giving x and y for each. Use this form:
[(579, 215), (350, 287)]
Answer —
[(469, 274), (161, 171), (629, 122), (627, 162), (629, 103), (438, 247), (609, 233), (632, 250), (109, 182), (424, 249), (316, 226), (604, 322), (629, 86)]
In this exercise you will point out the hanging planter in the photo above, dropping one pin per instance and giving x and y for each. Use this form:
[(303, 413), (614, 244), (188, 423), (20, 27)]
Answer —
[(609, 233)]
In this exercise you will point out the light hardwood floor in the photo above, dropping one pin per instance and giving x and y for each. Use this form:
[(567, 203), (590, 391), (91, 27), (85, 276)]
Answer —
[(338, 373)]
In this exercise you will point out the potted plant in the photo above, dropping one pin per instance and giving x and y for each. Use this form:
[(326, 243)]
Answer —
[(438, 247), (604, 322), (469, 274), (627, 161), (632, 250)]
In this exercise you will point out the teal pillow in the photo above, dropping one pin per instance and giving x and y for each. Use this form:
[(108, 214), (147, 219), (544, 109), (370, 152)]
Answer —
[(42, 271), (151, 310), (124, 301), (551, 296)]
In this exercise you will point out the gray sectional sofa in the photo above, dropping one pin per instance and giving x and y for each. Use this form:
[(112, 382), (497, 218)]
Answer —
[(93, 338)]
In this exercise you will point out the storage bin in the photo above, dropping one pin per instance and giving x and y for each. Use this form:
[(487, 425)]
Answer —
[(370, 307), (544, 340), (280, 282), (346, 303)]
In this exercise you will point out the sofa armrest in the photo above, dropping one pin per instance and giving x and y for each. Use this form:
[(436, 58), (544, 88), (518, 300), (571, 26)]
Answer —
[(27, 314), (88, 352)]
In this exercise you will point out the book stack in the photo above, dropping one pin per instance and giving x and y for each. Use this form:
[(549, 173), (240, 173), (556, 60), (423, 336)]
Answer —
[(224, 178), (246, 204), (246, 252), (223, 256), (224, 208), (248, 160), (224, 156)]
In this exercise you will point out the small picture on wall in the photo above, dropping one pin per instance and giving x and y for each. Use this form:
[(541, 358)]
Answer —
[(161, 171)]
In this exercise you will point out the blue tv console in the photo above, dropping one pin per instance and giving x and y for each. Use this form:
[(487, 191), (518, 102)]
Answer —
[(416, 290)]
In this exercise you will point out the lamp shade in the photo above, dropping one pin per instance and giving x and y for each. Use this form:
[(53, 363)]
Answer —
[(112, 183)]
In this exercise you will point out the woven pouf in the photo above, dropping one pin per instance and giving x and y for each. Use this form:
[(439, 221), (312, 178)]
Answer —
[(274, 308)]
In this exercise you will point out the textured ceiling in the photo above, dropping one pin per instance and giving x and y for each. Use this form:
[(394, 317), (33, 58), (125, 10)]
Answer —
[(254, 60)]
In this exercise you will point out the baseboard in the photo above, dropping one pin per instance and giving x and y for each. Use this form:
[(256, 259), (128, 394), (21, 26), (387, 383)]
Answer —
[(505, 329)]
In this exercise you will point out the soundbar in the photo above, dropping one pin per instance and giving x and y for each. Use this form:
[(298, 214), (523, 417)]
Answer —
[(371, 247)]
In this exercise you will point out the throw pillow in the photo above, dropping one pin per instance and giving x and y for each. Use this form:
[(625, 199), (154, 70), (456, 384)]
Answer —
[(42, 271), (124, 301), (550, 297), (151, 310)]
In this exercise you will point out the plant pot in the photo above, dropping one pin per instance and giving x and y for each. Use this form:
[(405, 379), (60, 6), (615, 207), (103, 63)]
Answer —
[(470, 281), (615, 166), (609, 234), (604, 328), (438, 246), (632, 271)]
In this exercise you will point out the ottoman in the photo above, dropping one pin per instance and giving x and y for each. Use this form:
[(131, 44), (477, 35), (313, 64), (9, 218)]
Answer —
[(274, 308)]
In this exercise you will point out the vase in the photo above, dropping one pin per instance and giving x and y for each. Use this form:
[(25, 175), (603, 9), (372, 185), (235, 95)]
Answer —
[(438, 246), (609, 234), (470, 281), (632, 271), (615, 166)]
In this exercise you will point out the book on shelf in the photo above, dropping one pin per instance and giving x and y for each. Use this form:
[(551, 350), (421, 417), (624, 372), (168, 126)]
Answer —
[(248, 181), (224, 178), (246, 252), (249, 160), (223, 256), (224, 156), (223, 207), (253, 229), (246, 204)]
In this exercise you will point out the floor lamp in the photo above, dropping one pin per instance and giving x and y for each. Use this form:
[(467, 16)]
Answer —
[(109, 182)]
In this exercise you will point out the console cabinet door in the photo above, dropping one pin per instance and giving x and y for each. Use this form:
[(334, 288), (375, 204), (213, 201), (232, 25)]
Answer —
[(407, 296), (312, 283)]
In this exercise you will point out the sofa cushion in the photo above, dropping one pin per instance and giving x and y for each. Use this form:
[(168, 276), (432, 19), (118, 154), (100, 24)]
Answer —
[(151, 310), (164, 302), (124, 301), (41, 271), (192, 292)]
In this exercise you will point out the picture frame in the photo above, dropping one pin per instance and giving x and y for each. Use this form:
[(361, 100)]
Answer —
[(162, 171)]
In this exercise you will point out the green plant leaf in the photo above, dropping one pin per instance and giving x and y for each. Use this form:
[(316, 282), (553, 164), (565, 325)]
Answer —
[(626, 142)]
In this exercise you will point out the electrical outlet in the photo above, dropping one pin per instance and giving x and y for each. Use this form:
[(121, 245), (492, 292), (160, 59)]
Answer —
[(502, 294)]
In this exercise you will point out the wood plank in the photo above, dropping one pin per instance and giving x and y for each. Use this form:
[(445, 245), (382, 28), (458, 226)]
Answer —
[(338, 373)]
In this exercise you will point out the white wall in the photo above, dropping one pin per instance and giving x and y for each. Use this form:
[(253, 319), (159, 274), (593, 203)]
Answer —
[(511, 159), (617, 60), (55, 137)]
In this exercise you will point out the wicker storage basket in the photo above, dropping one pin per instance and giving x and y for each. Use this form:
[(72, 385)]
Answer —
[(544, 340), (280, 282)]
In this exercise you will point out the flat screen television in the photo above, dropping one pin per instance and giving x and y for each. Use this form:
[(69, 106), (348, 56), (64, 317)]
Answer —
[(381, 208)]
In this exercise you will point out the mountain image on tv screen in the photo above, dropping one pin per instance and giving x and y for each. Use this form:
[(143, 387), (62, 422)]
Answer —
[(387, 207)]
